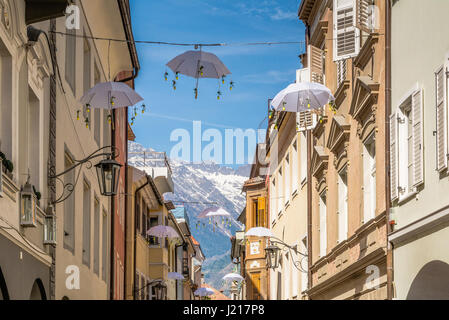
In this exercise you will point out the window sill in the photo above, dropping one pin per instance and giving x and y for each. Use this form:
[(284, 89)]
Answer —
[(407, 197)]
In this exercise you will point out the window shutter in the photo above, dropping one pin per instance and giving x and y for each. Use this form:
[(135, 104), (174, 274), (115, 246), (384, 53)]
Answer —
[(441, 119), (346, 35), (341, 72), (418, 147), (394, 156), (315, 63), (261, 206), (295, 165), (273, 201), (287, 181), (305, 120), (365, 18)]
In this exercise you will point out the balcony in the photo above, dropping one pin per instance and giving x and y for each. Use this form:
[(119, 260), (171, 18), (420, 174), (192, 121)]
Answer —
[(157, 166)]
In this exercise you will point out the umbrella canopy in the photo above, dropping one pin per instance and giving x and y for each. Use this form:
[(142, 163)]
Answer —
[(203, 292), (259, 232), (111, 95), (214, 212), (162, 232), (233, 277), (198, 64), (175, 276), (302, 96)]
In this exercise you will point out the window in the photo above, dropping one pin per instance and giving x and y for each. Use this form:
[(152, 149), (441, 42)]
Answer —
[(295, 277), (366, 18), (342, 205), (406, 147), (346, 35), (154, 221), (69, 208), (106, 128), (86, 223), (87, 61), (137, 214), (273, 201), (287, 180), (287, 276), (70, 59), (6, 103), (259, 212), (369, 178), (305, 265), (145, 225), (34, 142), (323, 222), (303, 155), (295, 164), (441, 113), (104, 246), (97, 236), (280, 193)]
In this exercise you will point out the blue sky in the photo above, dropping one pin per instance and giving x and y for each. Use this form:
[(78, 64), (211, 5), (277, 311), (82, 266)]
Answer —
[(259, 72)]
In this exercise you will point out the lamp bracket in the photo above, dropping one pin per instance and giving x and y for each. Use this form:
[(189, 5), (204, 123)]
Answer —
[(68, 188)]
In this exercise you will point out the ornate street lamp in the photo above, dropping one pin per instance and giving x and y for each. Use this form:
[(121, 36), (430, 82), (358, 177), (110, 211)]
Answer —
[(108, 173), (27, 205), (160, 290), (272, 256)]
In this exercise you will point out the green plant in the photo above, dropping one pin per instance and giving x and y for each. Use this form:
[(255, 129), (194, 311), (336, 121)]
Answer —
[(9, 166)]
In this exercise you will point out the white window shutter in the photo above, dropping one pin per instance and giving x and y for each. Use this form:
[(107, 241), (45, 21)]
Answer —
[(441, 113), (394, 177), (305, 120), (295, 165), (341, 72), (315, 64), (287, 181), (365, 15), (418, 141), (346, 37)]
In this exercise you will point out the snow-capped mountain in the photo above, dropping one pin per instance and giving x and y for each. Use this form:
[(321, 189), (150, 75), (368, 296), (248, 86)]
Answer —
[(197, 187)]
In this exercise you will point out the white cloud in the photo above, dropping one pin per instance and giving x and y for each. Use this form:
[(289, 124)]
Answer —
[(283, 15)]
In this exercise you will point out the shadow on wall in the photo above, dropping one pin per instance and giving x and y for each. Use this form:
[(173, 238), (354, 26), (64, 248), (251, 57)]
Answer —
[(38, 291), (4, 295), (431, 283)]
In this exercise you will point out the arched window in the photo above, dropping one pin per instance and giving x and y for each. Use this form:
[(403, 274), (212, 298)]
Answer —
[(38, 291)]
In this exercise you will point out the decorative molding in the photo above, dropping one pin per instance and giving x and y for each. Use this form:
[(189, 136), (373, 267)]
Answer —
[(341, 94), (338, 133), (366, 52), (364, 103), (319, 160), (319, 34), (319, 129)]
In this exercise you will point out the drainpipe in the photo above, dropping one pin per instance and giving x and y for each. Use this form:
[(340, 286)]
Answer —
[(390, 278), (112, 257), (135, 235)]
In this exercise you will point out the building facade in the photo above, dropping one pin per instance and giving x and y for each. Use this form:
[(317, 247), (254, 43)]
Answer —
[(27, 235), (419, 149), (348, 207), (287, 154), (256, 215)]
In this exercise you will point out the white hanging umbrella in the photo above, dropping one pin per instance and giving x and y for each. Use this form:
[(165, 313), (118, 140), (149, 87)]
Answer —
[(163, 232), (214, 212), (203, 292), (259, 232), (175, 276), (111, 95), (198, 64), (302, 96), (233, 277)]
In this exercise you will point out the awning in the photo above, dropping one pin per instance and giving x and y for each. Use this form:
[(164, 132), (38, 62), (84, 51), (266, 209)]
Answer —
[(41, 10)]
